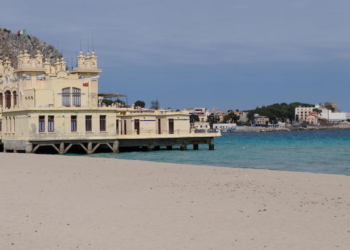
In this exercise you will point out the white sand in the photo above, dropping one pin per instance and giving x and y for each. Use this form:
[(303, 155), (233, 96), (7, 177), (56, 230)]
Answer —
[(62, 202)]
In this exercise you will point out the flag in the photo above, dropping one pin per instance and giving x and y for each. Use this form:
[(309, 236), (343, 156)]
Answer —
[(21, 32), (86, 84)]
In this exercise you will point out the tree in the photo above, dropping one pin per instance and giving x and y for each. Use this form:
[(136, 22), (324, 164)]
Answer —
[(122, 103), (212, 119), (139, 103), (329, 106), (278, 111), (317, 110), (108, 102), (231, 118), (194, 118), (155, 105)]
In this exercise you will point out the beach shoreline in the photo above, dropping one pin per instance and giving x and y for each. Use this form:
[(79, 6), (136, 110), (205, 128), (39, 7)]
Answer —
[(74, 202)]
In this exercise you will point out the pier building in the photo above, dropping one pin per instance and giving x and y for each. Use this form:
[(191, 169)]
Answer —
[(45, 106)]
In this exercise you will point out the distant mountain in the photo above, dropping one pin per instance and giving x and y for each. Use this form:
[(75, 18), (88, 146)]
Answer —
[(11, 44)]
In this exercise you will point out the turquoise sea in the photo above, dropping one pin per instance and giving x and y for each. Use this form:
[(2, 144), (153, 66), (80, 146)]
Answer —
[(316, 151)]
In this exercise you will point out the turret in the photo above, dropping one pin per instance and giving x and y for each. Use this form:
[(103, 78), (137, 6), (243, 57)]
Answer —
[(87, 64)]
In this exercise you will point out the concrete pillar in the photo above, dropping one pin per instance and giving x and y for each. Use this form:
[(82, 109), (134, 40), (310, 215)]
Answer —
[(183, 147), (169, 147), (116, 147), (89, 148), (61, 148), (29, 148), (195, 146)]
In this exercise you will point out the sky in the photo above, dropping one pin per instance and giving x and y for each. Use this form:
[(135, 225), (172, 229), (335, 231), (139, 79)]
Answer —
[(223, 54)]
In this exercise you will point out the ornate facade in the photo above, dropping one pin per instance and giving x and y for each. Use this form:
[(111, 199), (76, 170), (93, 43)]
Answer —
[(46, 105)]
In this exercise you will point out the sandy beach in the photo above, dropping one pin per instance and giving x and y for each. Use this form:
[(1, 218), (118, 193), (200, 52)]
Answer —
[(64, 202)]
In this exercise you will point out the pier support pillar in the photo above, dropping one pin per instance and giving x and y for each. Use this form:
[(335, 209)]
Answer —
[(150, 147), (169, 147), (195, 146), (29, 148), (183, 147), (157, 148), (211, 146), (89, 148), (116, 147), (61, 151)]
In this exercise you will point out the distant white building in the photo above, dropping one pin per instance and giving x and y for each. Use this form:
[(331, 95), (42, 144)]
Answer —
[(334, 116), (224, 127), (302, 113), (202, 113)]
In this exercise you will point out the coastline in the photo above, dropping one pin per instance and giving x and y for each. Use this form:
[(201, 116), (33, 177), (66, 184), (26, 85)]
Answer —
[(289, 129), (65, 202)]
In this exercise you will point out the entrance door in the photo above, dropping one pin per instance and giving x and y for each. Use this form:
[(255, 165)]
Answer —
[(171, 126), (137, 126)]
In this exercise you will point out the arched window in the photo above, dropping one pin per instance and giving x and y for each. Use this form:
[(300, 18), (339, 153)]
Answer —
[(76, 97), (1, 99), (66, 97), (14, 94), (8, 99)]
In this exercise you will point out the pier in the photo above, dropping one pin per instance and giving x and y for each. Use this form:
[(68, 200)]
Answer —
[(91, 146)]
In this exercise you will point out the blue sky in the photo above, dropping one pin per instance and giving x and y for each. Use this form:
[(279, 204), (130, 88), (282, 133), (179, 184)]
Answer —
[(225, 54)]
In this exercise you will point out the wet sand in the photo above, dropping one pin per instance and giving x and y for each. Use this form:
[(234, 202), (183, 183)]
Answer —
[(63, 202)]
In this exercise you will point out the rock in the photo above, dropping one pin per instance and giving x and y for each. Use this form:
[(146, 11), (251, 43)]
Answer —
[(11, 44)]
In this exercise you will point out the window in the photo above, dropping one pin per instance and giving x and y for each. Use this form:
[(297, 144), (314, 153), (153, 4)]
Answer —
[(66, 97), (88, 123), (14, 94), (102, 123), (51, 123), (171, 126), (8, 99), (137, 126), (73, 98), (76, 97), (41, 123), (73, 123), (1, 99)]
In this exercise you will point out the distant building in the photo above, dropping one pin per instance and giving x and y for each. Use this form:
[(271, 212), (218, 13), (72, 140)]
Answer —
[(200, 112), (224, 127), (260, 120), (243, 116), (334, 117), (312, 118), (309, 115), (301, 113)]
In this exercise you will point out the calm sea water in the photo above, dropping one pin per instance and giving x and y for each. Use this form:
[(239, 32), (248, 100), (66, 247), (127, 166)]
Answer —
[(317, 151)]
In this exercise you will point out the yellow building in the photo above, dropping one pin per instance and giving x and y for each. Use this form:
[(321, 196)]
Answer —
[(44, 105)]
